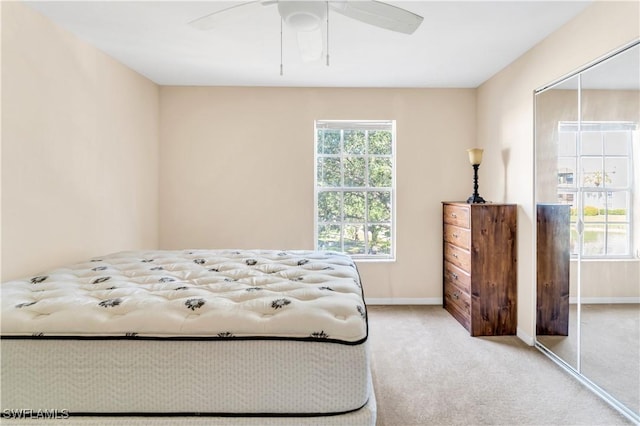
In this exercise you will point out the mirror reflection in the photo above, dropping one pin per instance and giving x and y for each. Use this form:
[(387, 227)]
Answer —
[(556, 324), (588, 227)]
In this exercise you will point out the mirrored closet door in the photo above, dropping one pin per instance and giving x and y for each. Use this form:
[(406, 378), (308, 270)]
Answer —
[(587, 175)]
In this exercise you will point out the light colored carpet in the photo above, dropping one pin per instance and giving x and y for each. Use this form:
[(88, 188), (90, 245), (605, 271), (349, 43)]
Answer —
[(427, 370), (610, 348)]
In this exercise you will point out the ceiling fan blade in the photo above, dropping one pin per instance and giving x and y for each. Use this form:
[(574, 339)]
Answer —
[(379, 14), (310, 45), (218, 17)]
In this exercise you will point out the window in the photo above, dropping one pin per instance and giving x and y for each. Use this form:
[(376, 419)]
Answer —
[(355, 187), (595, 178)]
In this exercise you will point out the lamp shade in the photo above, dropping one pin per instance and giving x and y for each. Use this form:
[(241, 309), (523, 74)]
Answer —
[(475, 155)]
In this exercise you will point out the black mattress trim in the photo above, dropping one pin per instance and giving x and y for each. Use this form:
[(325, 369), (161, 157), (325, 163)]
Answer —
[(188, 338), (205, 414)]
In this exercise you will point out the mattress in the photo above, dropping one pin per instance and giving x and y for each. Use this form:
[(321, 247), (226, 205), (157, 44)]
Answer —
[(207, 332)]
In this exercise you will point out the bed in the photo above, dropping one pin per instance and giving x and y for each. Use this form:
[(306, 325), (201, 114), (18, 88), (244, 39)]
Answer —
[(207, 336)]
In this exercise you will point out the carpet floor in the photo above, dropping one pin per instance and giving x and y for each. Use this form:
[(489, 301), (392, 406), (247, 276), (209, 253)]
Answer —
[(610, 348), (427, 370)]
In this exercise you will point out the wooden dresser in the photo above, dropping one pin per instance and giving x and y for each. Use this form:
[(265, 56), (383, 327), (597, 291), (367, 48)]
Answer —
[(480, 274)]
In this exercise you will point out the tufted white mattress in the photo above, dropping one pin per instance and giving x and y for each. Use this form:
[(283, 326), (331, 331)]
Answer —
[(195, 293), (219, 332)]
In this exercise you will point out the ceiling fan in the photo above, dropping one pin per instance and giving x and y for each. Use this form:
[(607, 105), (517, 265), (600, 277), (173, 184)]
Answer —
[(307, 17)]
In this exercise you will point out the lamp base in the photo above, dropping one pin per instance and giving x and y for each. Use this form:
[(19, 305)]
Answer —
[(475, 199)]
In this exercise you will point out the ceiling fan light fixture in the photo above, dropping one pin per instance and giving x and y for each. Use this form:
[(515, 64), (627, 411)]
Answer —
[(303, 15)]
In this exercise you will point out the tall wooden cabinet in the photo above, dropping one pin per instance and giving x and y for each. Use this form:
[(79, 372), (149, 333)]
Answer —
[(480, 274)]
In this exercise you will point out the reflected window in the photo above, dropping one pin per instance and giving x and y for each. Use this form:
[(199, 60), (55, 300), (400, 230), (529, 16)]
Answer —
[(354, 186), (595, 179)]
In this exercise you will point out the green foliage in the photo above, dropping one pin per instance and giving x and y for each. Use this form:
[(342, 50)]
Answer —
[(614, 212), (354, 142), (329, 172), (590, 211), (354, 206), (328, 141), (593, 211), (329, 206), (380, 142), (380, 172), (354, 171)]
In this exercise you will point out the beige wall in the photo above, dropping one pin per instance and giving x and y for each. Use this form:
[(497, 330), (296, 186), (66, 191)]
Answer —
[(237, 171), (79, 149), (505, 119)]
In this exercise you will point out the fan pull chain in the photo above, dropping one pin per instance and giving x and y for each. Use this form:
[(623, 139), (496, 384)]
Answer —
[(327, 33), (281, 73)]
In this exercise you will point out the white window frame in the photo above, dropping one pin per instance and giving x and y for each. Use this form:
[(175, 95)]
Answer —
[(365, 125), (577, 189)]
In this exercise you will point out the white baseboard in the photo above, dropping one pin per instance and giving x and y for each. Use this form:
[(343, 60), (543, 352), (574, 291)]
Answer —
[(604, 300), (404, 301)]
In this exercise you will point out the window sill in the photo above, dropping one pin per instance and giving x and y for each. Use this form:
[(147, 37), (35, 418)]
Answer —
[(605, 259), (373, 260)]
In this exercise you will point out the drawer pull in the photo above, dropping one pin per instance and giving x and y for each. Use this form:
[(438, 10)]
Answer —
[(454, 275), (453, 215), (455, 295), (455, 235), (455, 255)]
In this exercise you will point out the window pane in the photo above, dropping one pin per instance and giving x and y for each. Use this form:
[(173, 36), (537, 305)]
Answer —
[(591, 143), (380, 172), (617, 239), (329, 206), (328, 141), (354, 141), (566, 172), (329, 237), (617, 143), (618, 204), (566, 198), (567, 144), (593, 202), (603, 175), (380, 142), (353, 237), (615, 171), (593, 239), (379, 239), (354, 171), (592, 172), (354, 206), (379, 206), (328, 172), (574, 239)]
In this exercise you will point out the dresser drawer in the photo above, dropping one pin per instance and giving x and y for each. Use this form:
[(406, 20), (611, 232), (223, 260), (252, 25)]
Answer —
[(456, 215), (458, 256), (455, 235), (463, 318), (457, 276), (455, 295)]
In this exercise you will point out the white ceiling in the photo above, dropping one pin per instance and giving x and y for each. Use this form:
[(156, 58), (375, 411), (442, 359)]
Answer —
[(459, 44)]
